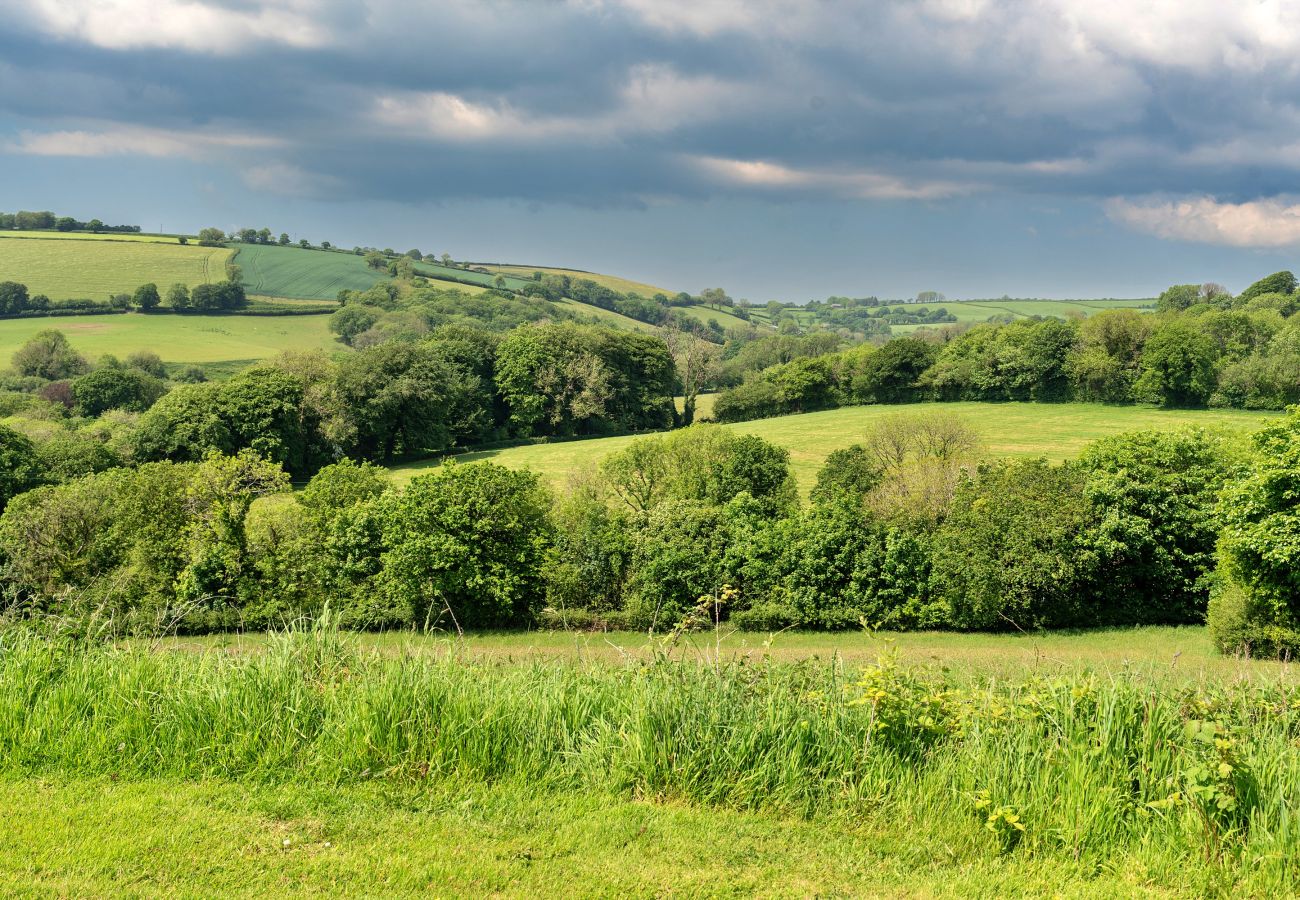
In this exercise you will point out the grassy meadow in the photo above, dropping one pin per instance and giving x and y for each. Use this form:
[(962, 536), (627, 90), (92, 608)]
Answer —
[(178, 338), (81, 266), (325, 763), (1053, 430)]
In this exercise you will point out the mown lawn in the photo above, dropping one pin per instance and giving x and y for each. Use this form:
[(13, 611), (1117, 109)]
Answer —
[(178, 338), (84, 267), (100, 837), (1054, 430)]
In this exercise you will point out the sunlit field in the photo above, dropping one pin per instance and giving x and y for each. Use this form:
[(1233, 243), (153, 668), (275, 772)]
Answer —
[(1056, 431)]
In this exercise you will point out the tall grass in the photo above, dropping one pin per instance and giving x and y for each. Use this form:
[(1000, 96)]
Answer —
[(1189, 784)]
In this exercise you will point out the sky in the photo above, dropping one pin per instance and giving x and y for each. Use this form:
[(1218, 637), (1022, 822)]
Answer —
[(780, 149)]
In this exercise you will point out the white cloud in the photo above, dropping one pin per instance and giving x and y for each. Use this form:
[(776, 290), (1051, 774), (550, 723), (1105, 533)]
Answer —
[(1273, 222), (653, 99), (184, 24), (133, 141), (858, 184)]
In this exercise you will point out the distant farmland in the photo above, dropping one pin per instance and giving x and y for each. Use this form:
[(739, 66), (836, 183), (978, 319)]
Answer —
[(95, 267), (613, 282), (298, 274), (177, 338)]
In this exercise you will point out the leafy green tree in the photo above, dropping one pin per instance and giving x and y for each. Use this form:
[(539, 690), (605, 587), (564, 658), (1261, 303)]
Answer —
[(891, 374), (702, 463), (219, 577), (1177, 366), (1157, 494), (466, 547), (376, 260), (284, 239), (1260, 547), (105, 389), (848, 475), (212, 237), (74, 454), (1282, 282), (178, 296), (400, 398), (20, 467), (148, 362), (1014, 552), (1178, 297), (146, 297), (13, 297), (48, 355), (351, 320)]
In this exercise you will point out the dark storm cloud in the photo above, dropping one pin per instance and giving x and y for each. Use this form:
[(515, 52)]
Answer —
[(623, 103)]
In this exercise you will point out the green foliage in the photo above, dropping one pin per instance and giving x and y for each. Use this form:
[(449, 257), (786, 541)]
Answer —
[(20, 469), (104, 389), (146, 297), (1015, 549), (1278, 283), (1157, 494), (702, 463), (1177, 366), (1260, 544), (567, 380), (48, 355), (848, 474), (464, 548)]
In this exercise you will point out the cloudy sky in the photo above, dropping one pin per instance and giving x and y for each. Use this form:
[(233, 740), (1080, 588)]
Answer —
[(784, 149)]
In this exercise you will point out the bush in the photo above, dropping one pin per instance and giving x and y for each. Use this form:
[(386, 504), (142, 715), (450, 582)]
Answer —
[(764, 616)]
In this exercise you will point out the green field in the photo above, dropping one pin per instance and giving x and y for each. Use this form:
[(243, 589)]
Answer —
[(724, 318), (974, 312), (451, 273), (1054, 430), (613, 282), (607, 316), (177, 338), (88, 236), (299, 274), (68, 267)]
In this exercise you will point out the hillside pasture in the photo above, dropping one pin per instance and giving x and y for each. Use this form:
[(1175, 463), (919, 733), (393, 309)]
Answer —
[(130, 237), (1056, 431), (453, 274), (724, 318), (607, 316), (69, 267), (613, 282), (298, 274), (177, 338)]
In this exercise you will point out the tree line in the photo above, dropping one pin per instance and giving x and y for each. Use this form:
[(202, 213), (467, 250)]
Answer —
[(912, 528), (44, 220), (1201, 347)]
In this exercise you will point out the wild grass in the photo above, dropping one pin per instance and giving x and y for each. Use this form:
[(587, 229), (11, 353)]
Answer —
[(84, 267), (1193, 787)]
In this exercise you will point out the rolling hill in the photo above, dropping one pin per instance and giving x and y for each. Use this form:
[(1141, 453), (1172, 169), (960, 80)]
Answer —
[(66, 267), (1054, 430)]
